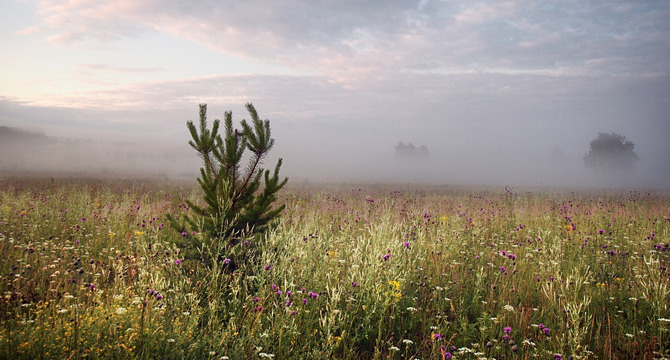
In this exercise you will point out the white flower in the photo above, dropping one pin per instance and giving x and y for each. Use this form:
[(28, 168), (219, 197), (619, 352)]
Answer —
[(411, 309), (264, 355), (394, 348), (509, 308), (408, 341), (121, 311), (170, 340)]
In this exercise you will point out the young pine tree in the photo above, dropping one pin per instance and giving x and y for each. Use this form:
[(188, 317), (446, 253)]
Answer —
[(235, 206)]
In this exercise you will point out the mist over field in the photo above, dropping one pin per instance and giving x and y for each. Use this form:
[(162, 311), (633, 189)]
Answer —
[(505, 93)]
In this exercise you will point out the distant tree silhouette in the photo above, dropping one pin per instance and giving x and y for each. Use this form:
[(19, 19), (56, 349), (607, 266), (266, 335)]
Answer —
[(611, 151), (409, 150)]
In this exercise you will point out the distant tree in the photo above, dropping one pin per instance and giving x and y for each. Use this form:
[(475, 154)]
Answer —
[(409, 150), (611, 151)]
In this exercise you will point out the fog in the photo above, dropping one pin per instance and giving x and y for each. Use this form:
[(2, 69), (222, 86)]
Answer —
[(471, 155), (501, 93)]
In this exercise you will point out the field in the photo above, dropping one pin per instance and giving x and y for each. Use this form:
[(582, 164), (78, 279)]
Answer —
[(91, 269)]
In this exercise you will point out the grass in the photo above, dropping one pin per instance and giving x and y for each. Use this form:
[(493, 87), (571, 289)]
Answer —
[(91, 270)]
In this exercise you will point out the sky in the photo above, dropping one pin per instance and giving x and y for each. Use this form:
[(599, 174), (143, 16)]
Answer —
[(494, 89)]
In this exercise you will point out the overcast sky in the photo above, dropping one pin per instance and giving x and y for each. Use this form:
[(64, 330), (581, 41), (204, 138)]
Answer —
[(492, 88)]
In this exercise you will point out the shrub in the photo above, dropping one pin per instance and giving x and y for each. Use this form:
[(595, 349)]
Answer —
[(234, 206)]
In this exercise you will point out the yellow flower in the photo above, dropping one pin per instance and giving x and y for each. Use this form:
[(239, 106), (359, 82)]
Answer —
[(139, 233), (111, 234), (395, 284)]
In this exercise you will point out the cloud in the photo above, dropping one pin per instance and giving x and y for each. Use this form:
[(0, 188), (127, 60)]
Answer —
[(120, 69), (387, 35)]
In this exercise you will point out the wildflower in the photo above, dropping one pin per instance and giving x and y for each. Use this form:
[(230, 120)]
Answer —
[(406, 244), (293, 312), (437, 336), (267, 267), (558, 357), (541, 326), (177, 262), (304, 301), (313, 295), (601, 231), (226, 261), (503, 270), (170, 340), (258, 308), (508, 307), (507, 330), (386, 256), (393, 348), (354, 284), (83, 219), (159, 296), (546, 331), (511, 257), (408, 341), (121, 311)]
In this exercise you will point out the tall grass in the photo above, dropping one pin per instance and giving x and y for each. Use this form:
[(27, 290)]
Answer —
[(90, 271)]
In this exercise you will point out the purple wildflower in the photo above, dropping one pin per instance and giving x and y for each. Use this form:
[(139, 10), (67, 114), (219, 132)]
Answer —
[(159, 296), (507, 330), (226, 261), (177, 262), (437, 336), (601, 231), (546, 331)]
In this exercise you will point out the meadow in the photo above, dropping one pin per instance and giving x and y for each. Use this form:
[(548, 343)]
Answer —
[(91, 269)]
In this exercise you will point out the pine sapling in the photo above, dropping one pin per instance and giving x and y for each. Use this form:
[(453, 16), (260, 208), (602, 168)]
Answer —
[(235, 207)]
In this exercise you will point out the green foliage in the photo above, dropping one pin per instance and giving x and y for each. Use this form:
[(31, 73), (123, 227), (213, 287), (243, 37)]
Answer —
[(235, 207), (611, 151), (91, 272)]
